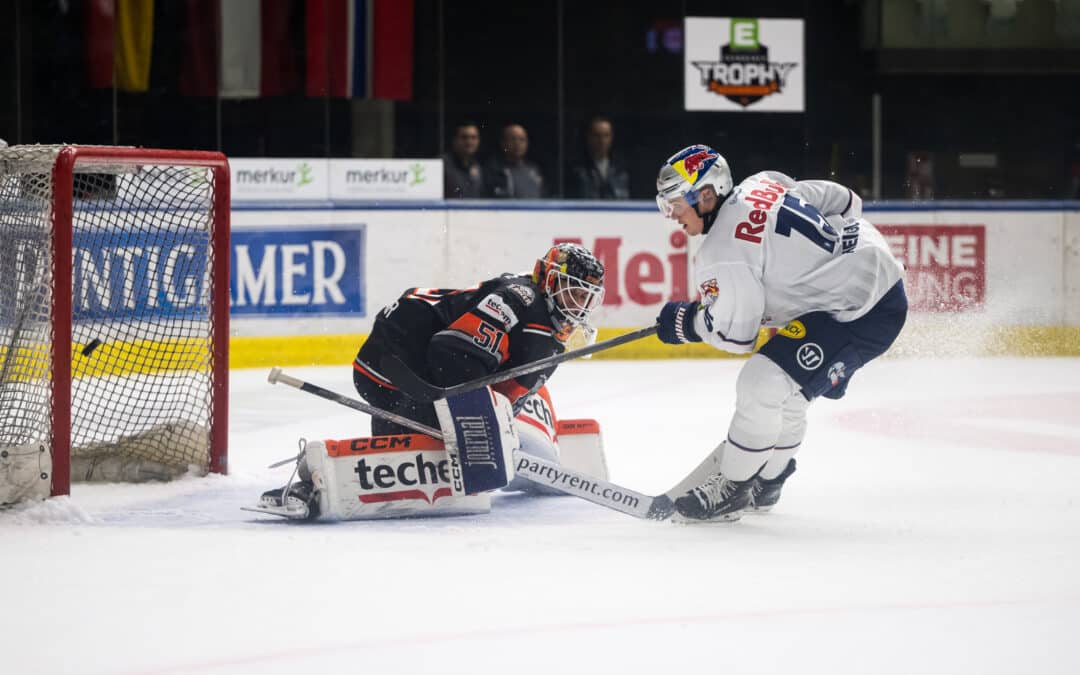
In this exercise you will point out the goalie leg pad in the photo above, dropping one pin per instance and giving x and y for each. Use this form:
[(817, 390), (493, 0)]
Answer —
[(536, 429), (538, 444), (480, 438), (406, 475), (581, 447), (575, 444)]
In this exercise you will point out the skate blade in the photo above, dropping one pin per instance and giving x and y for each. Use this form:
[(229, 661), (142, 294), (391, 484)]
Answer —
[(726, 518), (290, 512)]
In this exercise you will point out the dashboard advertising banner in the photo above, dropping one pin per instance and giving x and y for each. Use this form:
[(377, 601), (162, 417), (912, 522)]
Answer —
[(117, 275), (946, 265), (290, 265), (389, 179), (279, 180), (744, 65), (298, 271), (314, 180)]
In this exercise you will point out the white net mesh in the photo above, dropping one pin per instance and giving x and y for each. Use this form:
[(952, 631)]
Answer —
[(25, 322), (142, 318)]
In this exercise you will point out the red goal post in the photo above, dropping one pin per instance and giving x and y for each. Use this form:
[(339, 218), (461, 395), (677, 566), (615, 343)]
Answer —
[(114, 315)]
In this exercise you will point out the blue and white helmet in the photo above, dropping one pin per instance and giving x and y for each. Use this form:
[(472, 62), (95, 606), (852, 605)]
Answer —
[(687, 171)]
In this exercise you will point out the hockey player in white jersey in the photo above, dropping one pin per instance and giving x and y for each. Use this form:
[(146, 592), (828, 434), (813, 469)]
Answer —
[(796, 255)]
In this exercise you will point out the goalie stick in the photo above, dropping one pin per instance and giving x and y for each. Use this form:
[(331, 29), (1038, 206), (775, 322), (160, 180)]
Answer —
[(533, 468), (416, 387)]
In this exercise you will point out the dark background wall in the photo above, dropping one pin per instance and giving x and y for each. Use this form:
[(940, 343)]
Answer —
[(552, 65)]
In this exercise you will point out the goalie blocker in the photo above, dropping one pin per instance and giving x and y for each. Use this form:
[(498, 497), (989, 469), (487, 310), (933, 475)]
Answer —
[(480, 439)]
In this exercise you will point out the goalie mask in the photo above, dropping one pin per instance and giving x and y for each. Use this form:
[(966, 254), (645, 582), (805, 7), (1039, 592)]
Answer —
[(686, 173), (572, 281)]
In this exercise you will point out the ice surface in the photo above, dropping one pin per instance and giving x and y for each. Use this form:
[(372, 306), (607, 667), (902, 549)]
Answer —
[(933, 526)]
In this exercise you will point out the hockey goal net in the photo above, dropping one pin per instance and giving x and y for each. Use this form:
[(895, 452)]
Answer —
[(114, 316)]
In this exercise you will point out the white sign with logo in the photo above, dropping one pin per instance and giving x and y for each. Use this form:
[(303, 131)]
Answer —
[(368, 179), (280, 179), (744, 65)]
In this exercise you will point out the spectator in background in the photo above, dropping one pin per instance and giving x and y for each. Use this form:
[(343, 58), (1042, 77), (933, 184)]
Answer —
[(599, 176), (463, 177), (920, 175), (511, 176)]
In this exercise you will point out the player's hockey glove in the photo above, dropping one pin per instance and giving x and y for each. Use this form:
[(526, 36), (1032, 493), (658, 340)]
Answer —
[(675, 325)]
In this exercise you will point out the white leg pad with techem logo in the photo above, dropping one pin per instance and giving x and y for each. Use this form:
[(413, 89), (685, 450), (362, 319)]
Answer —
[(406, 475), (575, 444)]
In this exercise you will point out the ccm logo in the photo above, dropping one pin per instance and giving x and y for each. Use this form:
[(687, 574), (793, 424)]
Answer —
[(380, 443)]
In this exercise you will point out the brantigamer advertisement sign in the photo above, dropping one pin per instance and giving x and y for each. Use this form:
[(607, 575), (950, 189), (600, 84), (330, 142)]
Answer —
[(298, 271), (273, 272), (143, 275)]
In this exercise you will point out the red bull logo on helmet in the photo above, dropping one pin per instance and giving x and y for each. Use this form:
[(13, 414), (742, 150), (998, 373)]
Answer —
[(694, 162)]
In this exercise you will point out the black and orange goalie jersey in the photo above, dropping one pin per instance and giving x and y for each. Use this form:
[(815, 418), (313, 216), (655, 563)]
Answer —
[(450, 336)]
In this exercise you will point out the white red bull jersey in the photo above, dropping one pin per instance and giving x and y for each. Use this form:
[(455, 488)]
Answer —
[(781, 248)]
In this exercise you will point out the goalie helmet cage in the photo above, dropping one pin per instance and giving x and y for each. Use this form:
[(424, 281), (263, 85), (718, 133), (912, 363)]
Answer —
[(114, 315)]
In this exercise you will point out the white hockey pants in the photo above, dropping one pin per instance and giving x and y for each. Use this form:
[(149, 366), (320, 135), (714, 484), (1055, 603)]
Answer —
[(769, 422)]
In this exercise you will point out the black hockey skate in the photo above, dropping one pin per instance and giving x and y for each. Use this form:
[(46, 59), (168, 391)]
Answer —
[(766, 493), (716, 500), (296, 501)]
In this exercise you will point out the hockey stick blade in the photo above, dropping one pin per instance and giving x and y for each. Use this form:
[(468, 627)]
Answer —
[(416, 387), (535, 469)]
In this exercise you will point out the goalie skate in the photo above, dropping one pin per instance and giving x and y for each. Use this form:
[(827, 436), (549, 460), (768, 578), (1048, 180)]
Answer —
[(298, 501), (289, 512)]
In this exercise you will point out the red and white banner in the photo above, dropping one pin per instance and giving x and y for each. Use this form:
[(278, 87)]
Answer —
[(645, 258), (639, 277), (946, 265)]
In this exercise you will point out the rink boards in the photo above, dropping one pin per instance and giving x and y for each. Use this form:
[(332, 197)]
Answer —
[(307, 278)]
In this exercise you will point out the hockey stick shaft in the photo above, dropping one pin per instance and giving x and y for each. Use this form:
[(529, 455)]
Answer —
[(583, 486), (412, 384), (535, 469), (278, 377)]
